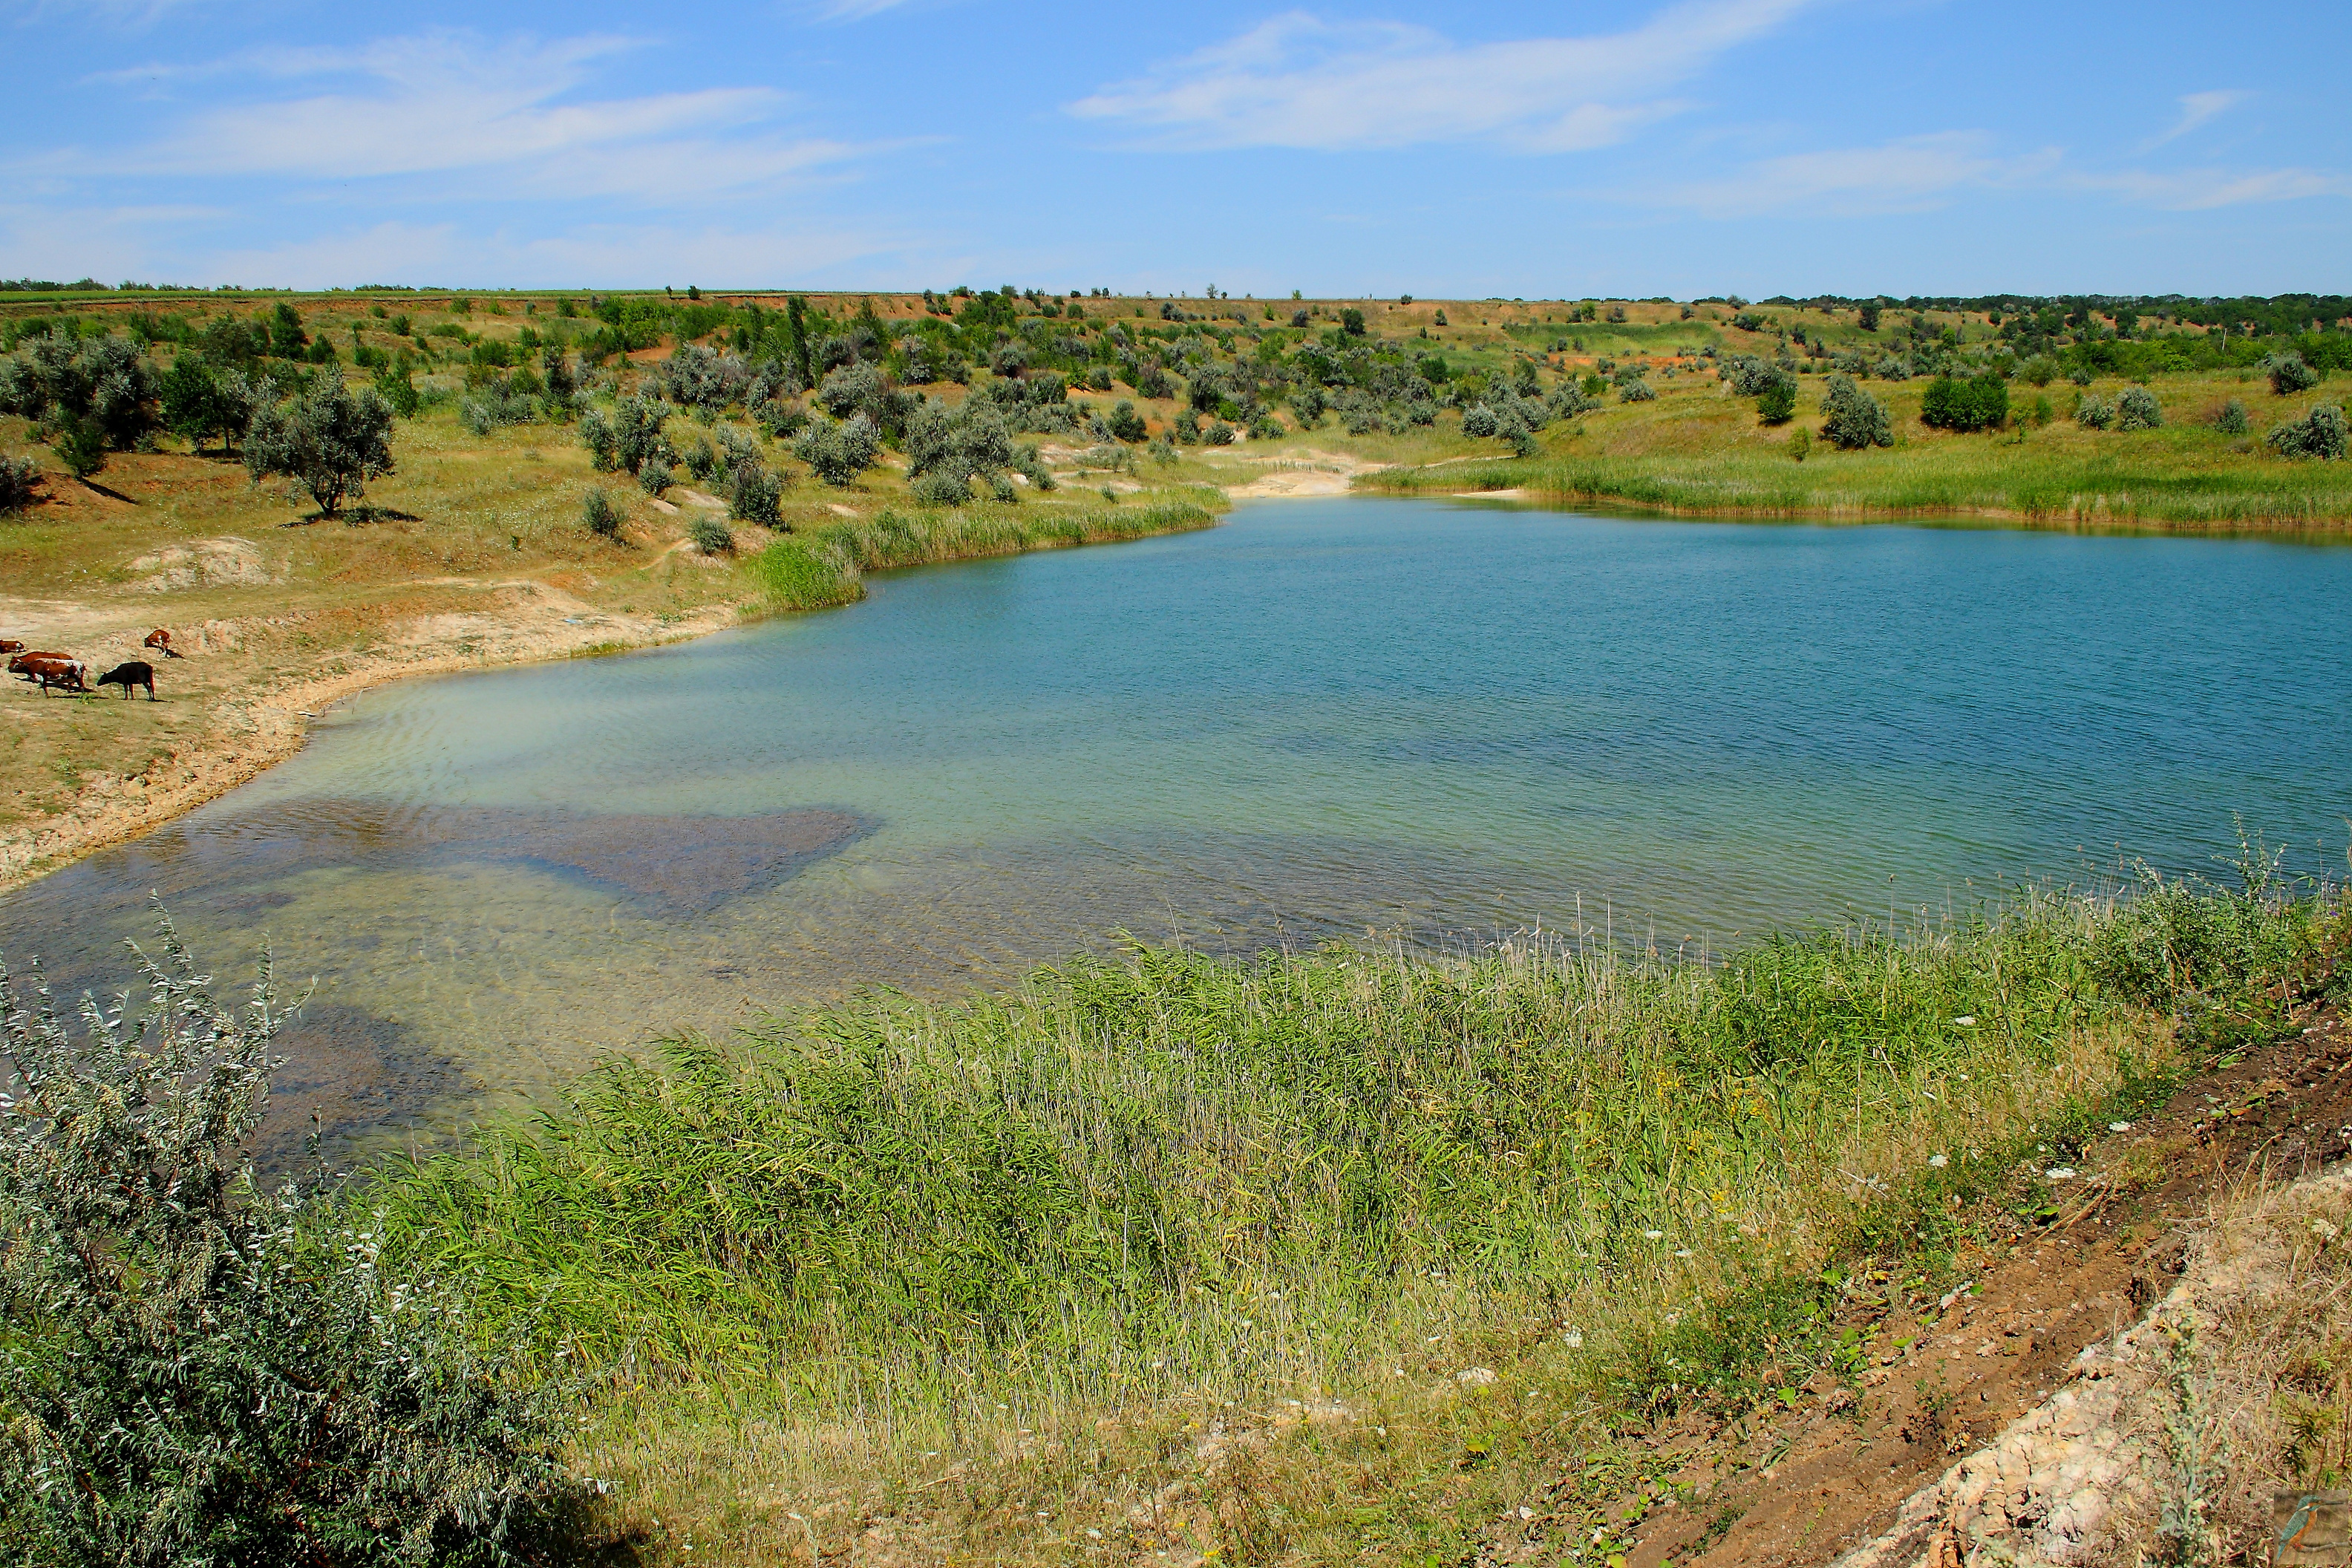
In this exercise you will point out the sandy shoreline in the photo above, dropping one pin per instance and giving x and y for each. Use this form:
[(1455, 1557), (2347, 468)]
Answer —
[(250, 730)]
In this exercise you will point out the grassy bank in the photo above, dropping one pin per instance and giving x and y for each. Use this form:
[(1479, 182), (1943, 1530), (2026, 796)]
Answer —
[(1316, 1256), (1697, 451), (814, 568)]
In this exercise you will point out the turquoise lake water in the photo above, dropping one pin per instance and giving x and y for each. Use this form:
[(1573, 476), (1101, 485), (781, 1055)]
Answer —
[(1421, 719)]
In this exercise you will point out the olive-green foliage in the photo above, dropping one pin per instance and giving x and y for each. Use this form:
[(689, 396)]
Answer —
[(105, 381), (329, 439), (711, 536), (838, 453), (1851, 420), (2231, 419), (2093, 412), (2137, 409), (604, 520), (1976, 402), (2289, 375), (1777, 403), (79, 445), (2318, 433), (18, 476), (194, 1371), (754, 494)]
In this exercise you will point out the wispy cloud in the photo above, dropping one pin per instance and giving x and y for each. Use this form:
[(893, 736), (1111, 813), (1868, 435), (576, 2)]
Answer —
[(454, 104), (2201, 190), (1912, 174), (2196, 109), (1299, 81)]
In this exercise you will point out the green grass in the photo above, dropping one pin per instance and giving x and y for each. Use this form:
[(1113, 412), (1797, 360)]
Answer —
[(1697, 451), (1029, 1247), (814, 568)]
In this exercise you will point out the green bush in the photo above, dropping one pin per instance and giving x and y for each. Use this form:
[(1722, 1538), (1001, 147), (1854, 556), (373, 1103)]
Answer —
[(17, 477), (654, 477), (2318, 433), (196, 1371), (79, 445), (604, 520), (1979, 402), (2093, 411), (1851, 418), (2231, 419), (1777, 404), (1125, 423), (838, 453), (754, 494), (941, 486), (2289, 375), (1352, 322), (711, 536), (2137, 409)]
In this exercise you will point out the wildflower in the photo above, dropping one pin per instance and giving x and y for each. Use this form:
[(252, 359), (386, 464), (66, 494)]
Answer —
[(2060, 1173), (2118, 1126), (1937, 1162), (1966, 1021), (1655, 1235), (1572, 1339), (1685, 1252)]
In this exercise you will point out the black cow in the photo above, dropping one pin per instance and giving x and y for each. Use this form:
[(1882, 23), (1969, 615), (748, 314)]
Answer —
[(130, 673)]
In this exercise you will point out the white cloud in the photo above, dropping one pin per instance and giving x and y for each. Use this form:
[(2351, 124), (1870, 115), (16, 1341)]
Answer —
[(2196, 109), (454, 105), (2200, 190), (1911, 173), (1299, 81)]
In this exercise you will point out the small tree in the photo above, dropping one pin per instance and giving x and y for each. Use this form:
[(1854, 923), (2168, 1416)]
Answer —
[(2231, 419), (1352, 322), (2289, 375), (1852, 419), (837, 454), (196, 1371), (711, 536), (755, 496), (2318, 433), (603, 519), (1125, 423), (329, 440), (18, 477), (2138, 410), (1867, 318), (191, 401), (81, 446), (1777, 404), (1979, 402)]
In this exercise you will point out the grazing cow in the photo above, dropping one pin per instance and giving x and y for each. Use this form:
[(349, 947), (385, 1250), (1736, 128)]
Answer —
[(18, 661), (161, 641), (10, 645), (53, 670), (130, 673)]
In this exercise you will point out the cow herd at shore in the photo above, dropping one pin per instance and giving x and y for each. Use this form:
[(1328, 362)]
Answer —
[(50, 670)]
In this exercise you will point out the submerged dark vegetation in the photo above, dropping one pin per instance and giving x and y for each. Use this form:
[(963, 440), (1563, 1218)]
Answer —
[(1164, 1180)]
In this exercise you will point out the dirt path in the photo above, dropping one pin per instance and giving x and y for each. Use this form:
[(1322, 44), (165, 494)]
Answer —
[(2003, 1358), (258, 680), (1297, 472)]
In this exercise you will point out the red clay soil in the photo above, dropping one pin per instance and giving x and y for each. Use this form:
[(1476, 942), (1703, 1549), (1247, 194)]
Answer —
[(1945, 1377)]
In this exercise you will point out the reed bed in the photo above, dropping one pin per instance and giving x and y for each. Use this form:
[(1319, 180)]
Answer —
[(812, 569), (1890, 485), (859, 1244)]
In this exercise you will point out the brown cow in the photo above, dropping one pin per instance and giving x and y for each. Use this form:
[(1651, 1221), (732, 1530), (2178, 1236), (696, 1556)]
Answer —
[(53, 670), (161, 641), (10, 645), (17, 661), (130, 673)]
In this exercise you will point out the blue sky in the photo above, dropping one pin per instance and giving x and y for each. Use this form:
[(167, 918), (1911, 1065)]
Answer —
[(1713, 146)]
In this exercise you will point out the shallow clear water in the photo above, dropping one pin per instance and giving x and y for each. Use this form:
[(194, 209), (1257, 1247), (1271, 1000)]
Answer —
[(1321, 717)]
